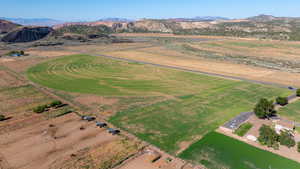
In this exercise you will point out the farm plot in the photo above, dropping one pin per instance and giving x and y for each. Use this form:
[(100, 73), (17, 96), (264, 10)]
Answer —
[(217, 151), (276, 55), (63, 142), (194, 104)]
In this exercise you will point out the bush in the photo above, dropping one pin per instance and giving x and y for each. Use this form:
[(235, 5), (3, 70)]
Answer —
[(40, 109), (282, 101), (2, 117), (243, 129), (287, 139), (298, 147), (264, 108), (55, 103), (298, 92), (268, 136)]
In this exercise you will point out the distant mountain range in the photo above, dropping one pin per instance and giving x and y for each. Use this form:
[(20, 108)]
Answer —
[(201, 18), (261, 26), (34, 21)]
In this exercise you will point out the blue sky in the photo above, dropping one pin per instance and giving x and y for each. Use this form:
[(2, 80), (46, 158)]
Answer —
[(135, 9)]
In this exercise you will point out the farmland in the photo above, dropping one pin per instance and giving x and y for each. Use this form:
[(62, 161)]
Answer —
[(187, 112), (217, 151)]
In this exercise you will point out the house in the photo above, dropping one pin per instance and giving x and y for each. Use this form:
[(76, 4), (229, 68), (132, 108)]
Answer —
[(100, 124), (88, 118), (283, 125), (113, 131), (251, 138)]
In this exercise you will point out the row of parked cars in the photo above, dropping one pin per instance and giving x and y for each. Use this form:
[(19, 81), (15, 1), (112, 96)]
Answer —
[(101, 124)]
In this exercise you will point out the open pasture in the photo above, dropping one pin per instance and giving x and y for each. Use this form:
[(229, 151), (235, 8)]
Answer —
[(217, 151), (194, 104)]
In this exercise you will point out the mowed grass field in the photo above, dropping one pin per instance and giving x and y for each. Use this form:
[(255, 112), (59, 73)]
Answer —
[(217, 151), (194, 104)]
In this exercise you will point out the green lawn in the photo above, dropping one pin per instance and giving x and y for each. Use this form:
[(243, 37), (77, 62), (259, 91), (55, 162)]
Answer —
[(193, 106), (243, 129), (217, 151), (291, 111)]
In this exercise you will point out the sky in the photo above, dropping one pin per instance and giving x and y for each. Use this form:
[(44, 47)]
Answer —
[(137, 9)]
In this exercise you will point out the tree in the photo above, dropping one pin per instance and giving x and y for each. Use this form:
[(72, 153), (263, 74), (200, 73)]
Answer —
[(282, 101), (40, 109), (298, 147), (2, 117), (298, 92), (264, 108), (287, 139), (268, 136), (55, 103)]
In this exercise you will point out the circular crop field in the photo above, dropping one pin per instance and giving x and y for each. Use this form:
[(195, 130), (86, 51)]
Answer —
[(97, 75)]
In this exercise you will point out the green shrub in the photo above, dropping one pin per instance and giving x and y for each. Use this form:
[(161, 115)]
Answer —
[(298, 92), (2, 117), (298, 147), (264, 108), (282, 101), (40, 109), (55, 103), (287, 139), (268, 136), (243, 129)]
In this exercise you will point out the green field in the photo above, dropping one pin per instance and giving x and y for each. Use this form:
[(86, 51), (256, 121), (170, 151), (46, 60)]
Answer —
[(291, 111), (217, 151), (193, 104), (243, 129)]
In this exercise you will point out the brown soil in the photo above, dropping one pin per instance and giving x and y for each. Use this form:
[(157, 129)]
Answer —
[(41, 144), (94, 102)]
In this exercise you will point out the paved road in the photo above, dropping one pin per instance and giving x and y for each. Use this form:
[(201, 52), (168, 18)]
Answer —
[(196, 71)]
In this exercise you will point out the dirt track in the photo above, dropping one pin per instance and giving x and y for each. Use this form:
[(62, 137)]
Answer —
[(40, 145)]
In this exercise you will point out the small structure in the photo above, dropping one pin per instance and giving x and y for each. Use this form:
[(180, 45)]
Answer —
[(101, 124), (282, 125), (238, 120), (251, 138), (88, 118), (113, 131)]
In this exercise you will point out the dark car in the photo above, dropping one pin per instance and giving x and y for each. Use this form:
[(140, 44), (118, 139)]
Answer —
[(113, 131), (88, 118), (100, 124), (291, 88)]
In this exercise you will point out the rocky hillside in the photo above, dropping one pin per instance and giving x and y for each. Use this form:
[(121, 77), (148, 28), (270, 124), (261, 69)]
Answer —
[(6, 26), (262, 26), (27, 34)]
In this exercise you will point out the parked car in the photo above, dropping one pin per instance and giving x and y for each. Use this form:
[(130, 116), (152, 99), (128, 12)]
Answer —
[(113, 131), (88, 118), (291, 88), (101, 124)]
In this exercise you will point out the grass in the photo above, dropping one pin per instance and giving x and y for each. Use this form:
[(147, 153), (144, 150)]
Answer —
[(193, 104), (217, 151), (291, 111), (243, 129), (25, 97)]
